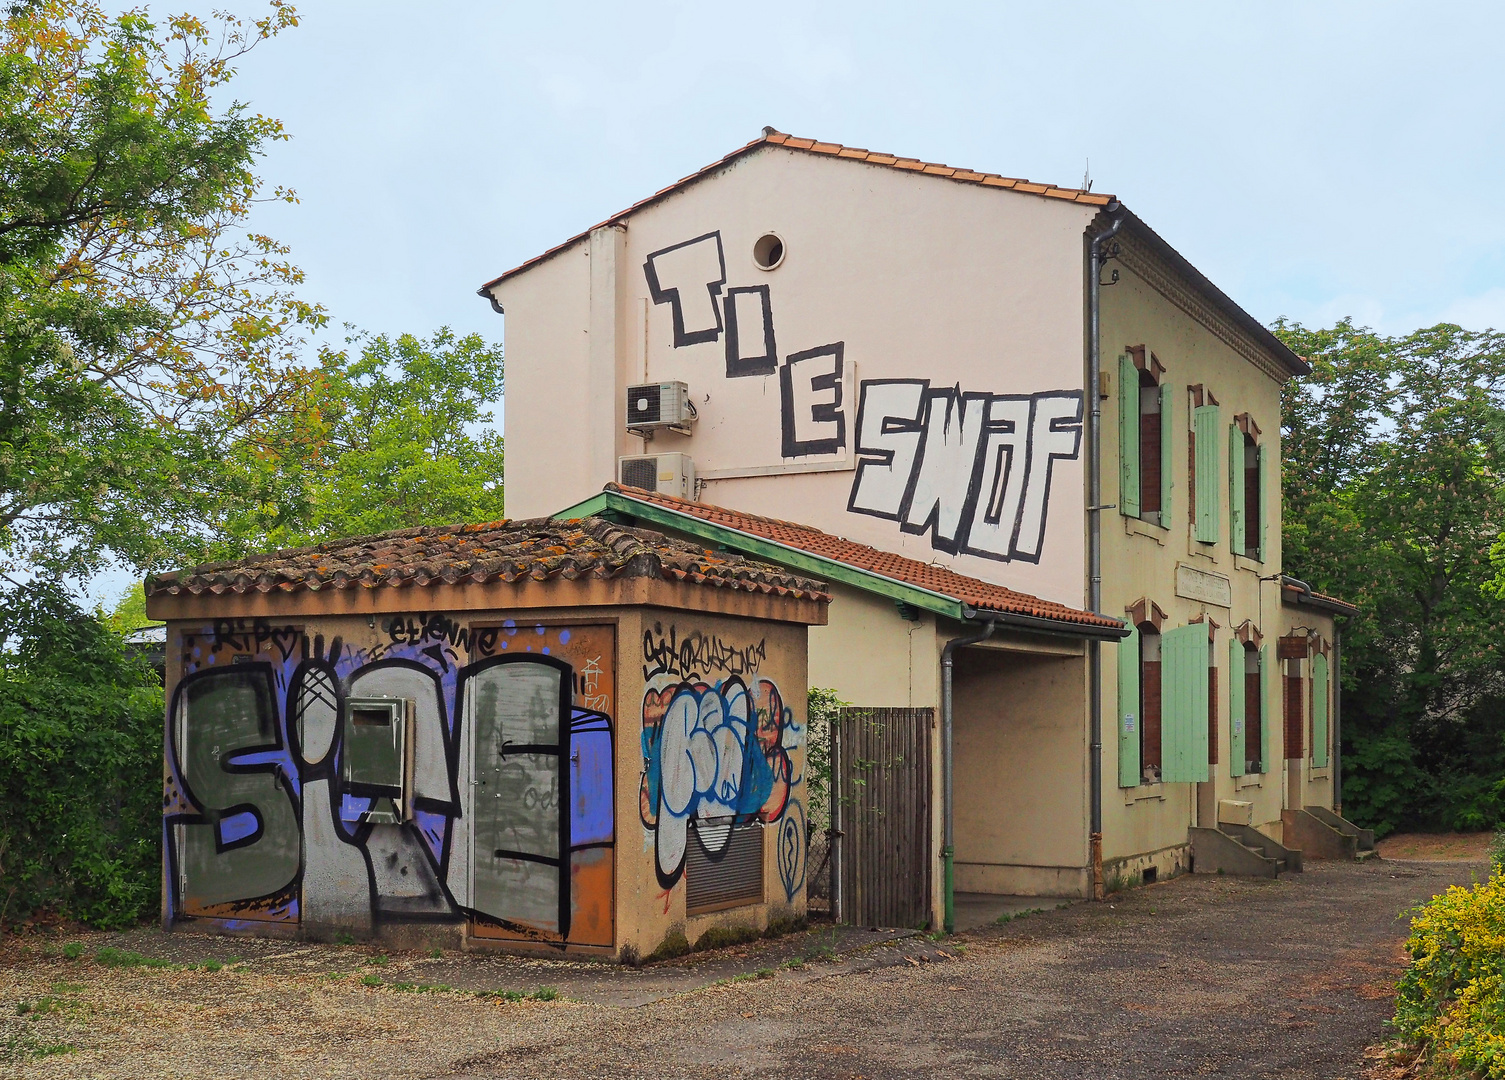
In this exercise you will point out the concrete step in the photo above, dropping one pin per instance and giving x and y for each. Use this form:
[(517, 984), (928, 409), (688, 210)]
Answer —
[(1364, 837), (1252, 837), (1319, 837), (1216, 852)]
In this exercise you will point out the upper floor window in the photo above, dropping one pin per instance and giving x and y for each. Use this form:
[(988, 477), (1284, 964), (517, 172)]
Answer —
[(1246, 488), (1203, 459), (1145, 430)]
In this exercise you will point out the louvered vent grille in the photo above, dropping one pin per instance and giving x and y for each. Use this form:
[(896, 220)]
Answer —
[(640, 473), (718, 876)]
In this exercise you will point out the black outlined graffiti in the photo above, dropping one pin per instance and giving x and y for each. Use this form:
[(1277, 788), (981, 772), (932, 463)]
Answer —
[(697, 655), (973, 470), (813, 417), (262, 824), (689, 276), (750, 347)]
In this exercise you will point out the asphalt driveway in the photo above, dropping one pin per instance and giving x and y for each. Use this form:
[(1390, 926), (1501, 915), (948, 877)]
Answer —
[(1197, 976)]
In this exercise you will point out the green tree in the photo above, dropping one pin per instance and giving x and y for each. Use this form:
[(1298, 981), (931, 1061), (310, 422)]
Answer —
[(80, 765), (146, 334), (398, 436), (1393, 456)]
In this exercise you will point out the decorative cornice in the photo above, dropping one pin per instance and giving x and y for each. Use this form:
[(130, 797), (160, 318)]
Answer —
[(1164, 280)]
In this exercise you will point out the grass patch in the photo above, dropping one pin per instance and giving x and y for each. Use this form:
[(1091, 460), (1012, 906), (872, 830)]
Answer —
[(39, 1005), (26, 1046), (67, 988), (1014, 916), (377, 961), (543, 993), (73, 950), (109, 956), (344, 939), (436, 954), (674, 944), (721, 937), (370, 980)]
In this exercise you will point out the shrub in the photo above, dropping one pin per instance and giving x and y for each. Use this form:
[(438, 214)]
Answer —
[(1451, 1000), (80, 765)]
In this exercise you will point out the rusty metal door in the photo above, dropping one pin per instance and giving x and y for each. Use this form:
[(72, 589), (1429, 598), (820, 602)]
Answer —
[(884, 806)]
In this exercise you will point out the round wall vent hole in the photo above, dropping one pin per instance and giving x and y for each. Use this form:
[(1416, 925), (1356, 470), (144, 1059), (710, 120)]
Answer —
[(768, 252)]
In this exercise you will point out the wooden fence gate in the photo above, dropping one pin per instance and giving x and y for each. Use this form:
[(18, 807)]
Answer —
[(883, 814)]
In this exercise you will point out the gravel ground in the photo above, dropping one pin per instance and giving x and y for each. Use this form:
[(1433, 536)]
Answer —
[(1196, 976)]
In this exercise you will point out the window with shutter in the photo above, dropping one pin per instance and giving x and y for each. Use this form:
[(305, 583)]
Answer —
[(1212, 711), (1264, 709), (1185, 659), (1167, 469), (1261, 469), (1128, 710), (1128, 436), (1237, 721), (1236, 488), (1151, 701), (1319, 711), (1253, 530), (1151, 465), (1206, 424)]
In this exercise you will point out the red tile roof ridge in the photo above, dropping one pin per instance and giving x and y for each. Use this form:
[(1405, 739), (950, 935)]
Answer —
[(770, 137), (929, 577), (506, 550)]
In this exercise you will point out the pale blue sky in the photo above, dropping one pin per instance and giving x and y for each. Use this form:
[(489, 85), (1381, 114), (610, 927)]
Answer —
[(1314, 159)]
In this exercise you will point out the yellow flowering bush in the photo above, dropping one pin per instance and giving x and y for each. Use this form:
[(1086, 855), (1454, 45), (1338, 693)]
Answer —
[(1451, 1000)]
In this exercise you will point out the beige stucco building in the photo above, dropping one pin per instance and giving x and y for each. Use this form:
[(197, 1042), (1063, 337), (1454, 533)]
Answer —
[(992, 406)]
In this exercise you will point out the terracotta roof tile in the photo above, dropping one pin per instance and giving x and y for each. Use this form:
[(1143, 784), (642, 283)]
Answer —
[(851, 153), (937, 579), (509, 551)]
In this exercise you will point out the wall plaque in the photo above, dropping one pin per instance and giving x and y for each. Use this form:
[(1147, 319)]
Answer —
[(1200, 585)]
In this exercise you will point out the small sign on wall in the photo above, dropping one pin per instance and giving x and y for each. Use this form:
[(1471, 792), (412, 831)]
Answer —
[(1209, 588)]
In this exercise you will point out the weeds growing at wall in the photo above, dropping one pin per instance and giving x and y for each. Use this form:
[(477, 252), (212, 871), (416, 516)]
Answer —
[(80, 765), (1450, 1003)]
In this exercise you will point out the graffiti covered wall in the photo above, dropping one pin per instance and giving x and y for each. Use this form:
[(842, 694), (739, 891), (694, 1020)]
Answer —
[(722, 750), (276, 809)]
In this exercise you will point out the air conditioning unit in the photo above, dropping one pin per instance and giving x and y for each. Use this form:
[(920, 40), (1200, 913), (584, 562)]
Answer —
[(667, 474), (659, 405)]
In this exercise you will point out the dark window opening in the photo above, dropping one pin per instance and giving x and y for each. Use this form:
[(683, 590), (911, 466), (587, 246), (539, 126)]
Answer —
[(1252, 528), (1149, 445), (1149, 704), (1295, 713), (1212, 714), (1254, 735), (1150, 875)]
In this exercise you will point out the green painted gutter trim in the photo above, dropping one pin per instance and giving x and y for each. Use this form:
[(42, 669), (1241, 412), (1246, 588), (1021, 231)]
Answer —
[(610, 502), (614, 506)]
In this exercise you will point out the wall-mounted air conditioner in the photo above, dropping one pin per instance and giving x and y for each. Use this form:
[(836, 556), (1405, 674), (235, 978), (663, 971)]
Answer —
[(651, 406), (668, 474)]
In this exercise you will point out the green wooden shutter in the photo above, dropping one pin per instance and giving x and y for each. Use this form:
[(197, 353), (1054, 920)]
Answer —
[(1236, 488), (1167, 459), (1128, 710), (1264, 708), (1208, 483), (1264, 513), (1183, 704), (1128, 437), (1319, 712), (1236, 706)]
